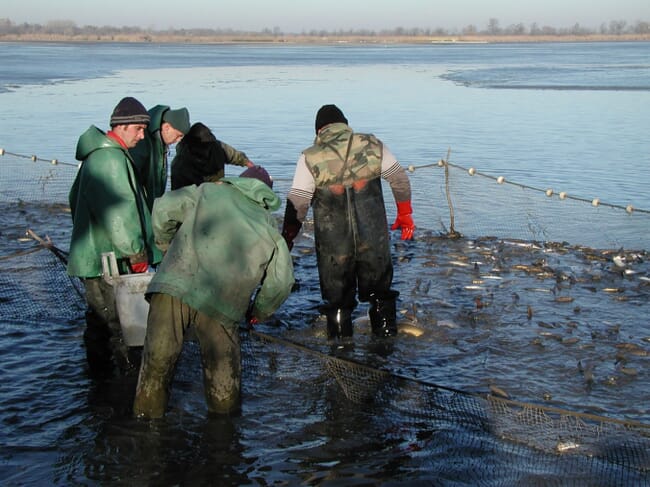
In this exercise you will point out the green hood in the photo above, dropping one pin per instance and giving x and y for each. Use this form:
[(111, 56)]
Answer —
[(92, 140), (257, 191), (156, 114)]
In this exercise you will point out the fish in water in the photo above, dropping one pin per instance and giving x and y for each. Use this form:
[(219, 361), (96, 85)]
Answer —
[(409, 329), (405, 327)]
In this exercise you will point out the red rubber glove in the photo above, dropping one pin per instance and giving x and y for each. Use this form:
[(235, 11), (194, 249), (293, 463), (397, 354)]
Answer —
[(404, 220), (139, 267)]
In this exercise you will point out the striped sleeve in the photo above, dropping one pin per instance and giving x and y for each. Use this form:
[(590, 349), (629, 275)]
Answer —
[(395, 175), (302, 189)]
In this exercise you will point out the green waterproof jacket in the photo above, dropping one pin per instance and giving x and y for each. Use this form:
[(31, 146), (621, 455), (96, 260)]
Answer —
[(109, 212), (150, 157), (222, 245)]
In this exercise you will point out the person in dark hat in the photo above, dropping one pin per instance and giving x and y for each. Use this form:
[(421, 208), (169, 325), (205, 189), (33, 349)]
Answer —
[(201, 157), (167, 127), (225, 261), (339, 177), (109, 214)]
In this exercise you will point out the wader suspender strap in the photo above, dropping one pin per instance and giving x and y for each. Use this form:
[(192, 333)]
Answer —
[(347, 155)]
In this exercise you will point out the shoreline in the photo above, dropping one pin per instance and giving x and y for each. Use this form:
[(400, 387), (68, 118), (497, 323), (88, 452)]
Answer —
[(306, 39)]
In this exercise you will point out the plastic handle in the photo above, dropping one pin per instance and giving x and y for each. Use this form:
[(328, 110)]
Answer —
[(109, 266)]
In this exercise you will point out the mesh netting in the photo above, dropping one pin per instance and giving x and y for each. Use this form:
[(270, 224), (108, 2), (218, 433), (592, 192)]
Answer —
[(549, 431), (448, 200), (35, 287)]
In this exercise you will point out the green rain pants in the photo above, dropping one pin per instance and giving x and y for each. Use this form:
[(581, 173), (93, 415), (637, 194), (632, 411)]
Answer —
[(168, 322)]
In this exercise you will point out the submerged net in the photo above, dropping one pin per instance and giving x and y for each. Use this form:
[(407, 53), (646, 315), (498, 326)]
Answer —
[(450, 202), (591, 442)]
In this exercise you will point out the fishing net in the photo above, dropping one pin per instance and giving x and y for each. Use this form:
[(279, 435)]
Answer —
[(579, 245), (586, 442)]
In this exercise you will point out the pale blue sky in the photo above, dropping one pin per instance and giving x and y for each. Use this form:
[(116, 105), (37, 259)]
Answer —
[(295, 16)]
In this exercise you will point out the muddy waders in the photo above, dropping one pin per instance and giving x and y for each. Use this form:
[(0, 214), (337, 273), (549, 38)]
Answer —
[(353, 254), (105, 347), (339, 322), (167, 325)]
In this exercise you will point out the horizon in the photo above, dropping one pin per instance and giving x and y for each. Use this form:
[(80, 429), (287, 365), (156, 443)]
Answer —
[(290, 16)]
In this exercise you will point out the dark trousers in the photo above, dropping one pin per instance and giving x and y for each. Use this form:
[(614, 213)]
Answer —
[(168, 322), (105, 347)]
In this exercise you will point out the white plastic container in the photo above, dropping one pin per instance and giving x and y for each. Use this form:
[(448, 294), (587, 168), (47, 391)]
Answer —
[(132, 307)]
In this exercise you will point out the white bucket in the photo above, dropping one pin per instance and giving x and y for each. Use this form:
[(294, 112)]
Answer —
[(132, 307)]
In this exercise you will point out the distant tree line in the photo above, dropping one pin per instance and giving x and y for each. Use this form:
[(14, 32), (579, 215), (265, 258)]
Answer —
[(493, 28)]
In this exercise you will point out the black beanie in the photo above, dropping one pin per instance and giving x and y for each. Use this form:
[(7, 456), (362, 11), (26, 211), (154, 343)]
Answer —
[(129, 111), (329, 114)]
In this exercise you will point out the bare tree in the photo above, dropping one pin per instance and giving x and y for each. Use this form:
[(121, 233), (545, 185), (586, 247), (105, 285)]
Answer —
[(470, 30), (641, 28), (64, 27), (516, 29), (493, 26), (617, 27)]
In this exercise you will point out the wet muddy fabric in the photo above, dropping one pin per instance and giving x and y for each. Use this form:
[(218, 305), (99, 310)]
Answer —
[(222, 246), (105, 347), (168, 322), (352, 244), (350, 227)]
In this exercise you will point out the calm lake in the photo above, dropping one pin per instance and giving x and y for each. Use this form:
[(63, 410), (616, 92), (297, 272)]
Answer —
[(550, 325)]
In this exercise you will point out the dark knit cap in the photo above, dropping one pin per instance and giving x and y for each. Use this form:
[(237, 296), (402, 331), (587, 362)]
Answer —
[(199, 158), (258, 172), (329, 114), (129, 111), (179, 119)]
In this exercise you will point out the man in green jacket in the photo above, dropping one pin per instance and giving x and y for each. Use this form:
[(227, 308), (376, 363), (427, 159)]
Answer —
[(109, 214), (167, 127), (222, 249)]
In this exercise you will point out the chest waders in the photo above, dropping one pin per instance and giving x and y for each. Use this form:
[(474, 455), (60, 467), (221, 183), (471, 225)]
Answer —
[(353, 253)]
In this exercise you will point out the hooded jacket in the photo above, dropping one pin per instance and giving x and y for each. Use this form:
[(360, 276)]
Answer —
[(221, 246), (109, 212), (150, 156)]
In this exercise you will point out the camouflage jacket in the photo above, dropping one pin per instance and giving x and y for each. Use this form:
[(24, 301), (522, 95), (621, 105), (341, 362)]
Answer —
[(341, 157)]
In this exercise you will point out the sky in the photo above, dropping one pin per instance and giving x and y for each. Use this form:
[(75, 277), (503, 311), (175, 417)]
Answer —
[(295, 16)]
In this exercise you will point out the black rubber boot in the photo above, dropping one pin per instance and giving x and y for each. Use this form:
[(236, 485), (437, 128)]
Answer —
[(97, 338), (339, 323), (382, 314)]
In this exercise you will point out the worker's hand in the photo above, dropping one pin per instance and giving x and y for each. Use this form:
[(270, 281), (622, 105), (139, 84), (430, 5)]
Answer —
[(291, 225), (251, 319), (139, 267), (404, 220), (289, 234), (138, 263)]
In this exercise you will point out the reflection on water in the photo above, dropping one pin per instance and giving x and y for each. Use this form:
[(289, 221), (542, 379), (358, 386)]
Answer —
[(552, 324)]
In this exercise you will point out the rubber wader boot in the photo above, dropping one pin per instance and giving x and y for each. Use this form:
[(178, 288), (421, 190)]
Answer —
[(382, 314), (339, 323)]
